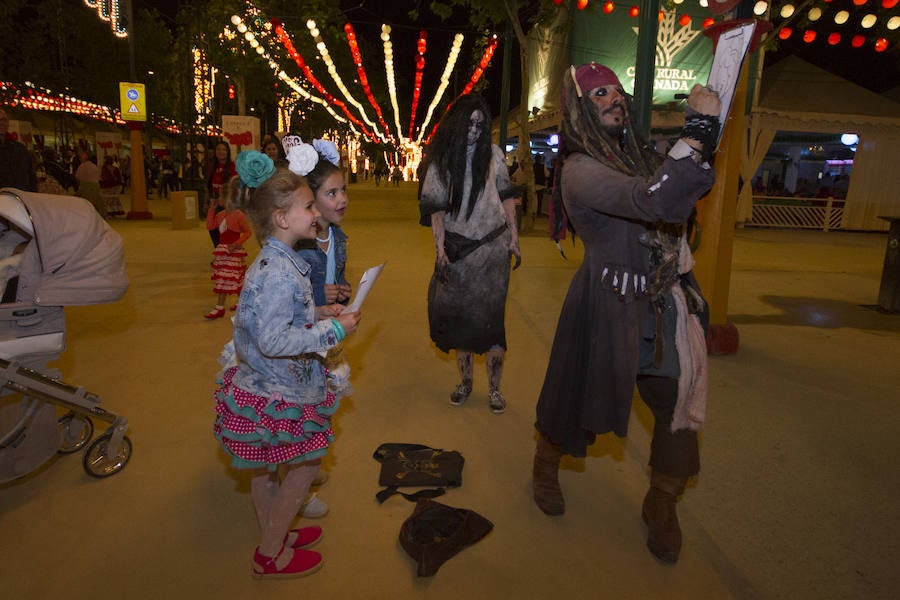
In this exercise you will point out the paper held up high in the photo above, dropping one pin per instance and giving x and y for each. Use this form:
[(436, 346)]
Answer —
[(731, 50), (365, 284)]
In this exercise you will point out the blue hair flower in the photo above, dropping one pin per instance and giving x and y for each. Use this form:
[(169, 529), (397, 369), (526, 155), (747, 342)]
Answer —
[(253, 167)]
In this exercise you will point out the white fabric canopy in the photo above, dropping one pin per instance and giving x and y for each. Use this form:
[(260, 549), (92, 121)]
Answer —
[(798, 96)]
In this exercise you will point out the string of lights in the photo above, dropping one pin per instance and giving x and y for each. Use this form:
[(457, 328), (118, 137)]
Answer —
[(445, 81), (363, 78), (109, 11), (389, 74), (421, 47), (336, 77)]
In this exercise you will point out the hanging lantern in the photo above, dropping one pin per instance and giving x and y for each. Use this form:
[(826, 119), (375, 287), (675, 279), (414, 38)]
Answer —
[(815, 14), (868, 21), (786, 11), (857, 41), (881, 44), (893, 23), (785, 33), (684, 20), (660, 16), (834, 39), (608, 7), (841, 17), (708, 22), (634, 11), (889, 3), (760, 8), (859, 2), (809, 36), (581, 4)]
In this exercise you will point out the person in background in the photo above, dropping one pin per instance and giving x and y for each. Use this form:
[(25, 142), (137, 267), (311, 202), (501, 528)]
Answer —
[(17, 169), (88, 176), (633, 310), (229, 255), (110, 182), (273, 149), (221, 171)]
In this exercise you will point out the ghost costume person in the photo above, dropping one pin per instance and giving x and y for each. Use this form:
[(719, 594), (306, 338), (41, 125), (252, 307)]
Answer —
[(466, 198), (633, 311)]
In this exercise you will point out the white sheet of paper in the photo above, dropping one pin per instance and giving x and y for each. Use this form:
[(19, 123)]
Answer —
[(365, 284), (731, 50)]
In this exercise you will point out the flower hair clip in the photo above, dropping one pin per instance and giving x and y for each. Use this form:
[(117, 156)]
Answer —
[(328, 150), (253, 167), (302, 159)]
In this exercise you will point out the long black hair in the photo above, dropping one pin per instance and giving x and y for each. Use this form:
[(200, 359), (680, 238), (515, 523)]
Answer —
[(447, 151)]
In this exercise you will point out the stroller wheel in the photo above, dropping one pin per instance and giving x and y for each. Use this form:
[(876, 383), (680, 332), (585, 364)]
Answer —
[(100, 462), (74, 432)]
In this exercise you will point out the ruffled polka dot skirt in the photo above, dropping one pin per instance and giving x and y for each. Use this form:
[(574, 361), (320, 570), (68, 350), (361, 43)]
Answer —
[(265, 432)]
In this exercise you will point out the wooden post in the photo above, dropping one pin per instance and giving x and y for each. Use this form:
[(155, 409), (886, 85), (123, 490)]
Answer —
[(716, 217), (138, 183)]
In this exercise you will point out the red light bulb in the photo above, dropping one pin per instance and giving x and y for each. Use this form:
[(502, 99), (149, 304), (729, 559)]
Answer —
[(634, 11), (809, 36)]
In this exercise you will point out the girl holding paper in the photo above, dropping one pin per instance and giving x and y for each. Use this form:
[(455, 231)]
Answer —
[(327, 257), (327, 254)]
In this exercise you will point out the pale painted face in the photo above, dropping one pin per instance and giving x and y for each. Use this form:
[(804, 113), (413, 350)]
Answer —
[(476, 125), (332, 201), (610, 103), (297, 221)]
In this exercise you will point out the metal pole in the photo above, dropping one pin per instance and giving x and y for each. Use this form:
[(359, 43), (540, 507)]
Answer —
[(504, 90), (129, 14), (645, 64)]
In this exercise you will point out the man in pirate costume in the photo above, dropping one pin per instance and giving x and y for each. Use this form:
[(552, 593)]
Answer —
[(632, 313)]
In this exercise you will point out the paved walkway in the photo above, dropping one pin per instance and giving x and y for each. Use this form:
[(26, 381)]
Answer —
[(797, 497)]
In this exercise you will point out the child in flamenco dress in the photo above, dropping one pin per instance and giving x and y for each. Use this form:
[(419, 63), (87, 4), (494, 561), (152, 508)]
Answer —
[(273, 404), (229, 255)]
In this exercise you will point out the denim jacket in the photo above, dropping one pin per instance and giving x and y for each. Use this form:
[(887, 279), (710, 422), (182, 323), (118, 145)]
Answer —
[(311, 253), (277, 339)]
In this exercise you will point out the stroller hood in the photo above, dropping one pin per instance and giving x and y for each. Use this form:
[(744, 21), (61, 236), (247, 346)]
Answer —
[(75, 258)]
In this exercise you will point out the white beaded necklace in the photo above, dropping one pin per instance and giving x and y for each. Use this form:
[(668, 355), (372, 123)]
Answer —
[(326, 240)]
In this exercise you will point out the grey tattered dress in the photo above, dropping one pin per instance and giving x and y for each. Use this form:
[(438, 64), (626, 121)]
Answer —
[(466, 312)]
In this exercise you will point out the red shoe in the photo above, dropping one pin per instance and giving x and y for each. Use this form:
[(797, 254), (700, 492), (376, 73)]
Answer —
[(304, 562), (305, 537), (216, 313)]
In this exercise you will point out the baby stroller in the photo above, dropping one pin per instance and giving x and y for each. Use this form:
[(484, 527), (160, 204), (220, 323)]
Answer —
[(54, 251)]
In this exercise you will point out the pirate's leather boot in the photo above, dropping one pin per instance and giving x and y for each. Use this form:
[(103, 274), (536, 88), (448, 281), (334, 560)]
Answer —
[(663, 531), (545, 477)]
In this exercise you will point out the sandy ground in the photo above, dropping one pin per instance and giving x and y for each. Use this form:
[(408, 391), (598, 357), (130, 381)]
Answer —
[(797, 497)]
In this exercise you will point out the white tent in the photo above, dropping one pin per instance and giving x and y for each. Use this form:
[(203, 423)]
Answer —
[(798, 96)]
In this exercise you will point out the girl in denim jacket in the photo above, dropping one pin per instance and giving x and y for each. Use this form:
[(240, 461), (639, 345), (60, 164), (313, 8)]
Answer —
[(274, 408)]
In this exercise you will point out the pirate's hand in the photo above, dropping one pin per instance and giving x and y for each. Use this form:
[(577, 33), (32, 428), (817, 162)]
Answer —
[(704, 100)]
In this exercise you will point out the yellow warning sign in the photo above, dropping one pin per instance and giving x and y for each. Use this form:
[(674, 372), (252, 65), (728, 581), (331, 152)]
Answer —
[(133, 101)]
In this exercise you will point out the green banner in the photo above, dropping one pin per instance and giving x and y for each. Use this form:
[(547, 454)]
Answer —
[(683, 54)]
